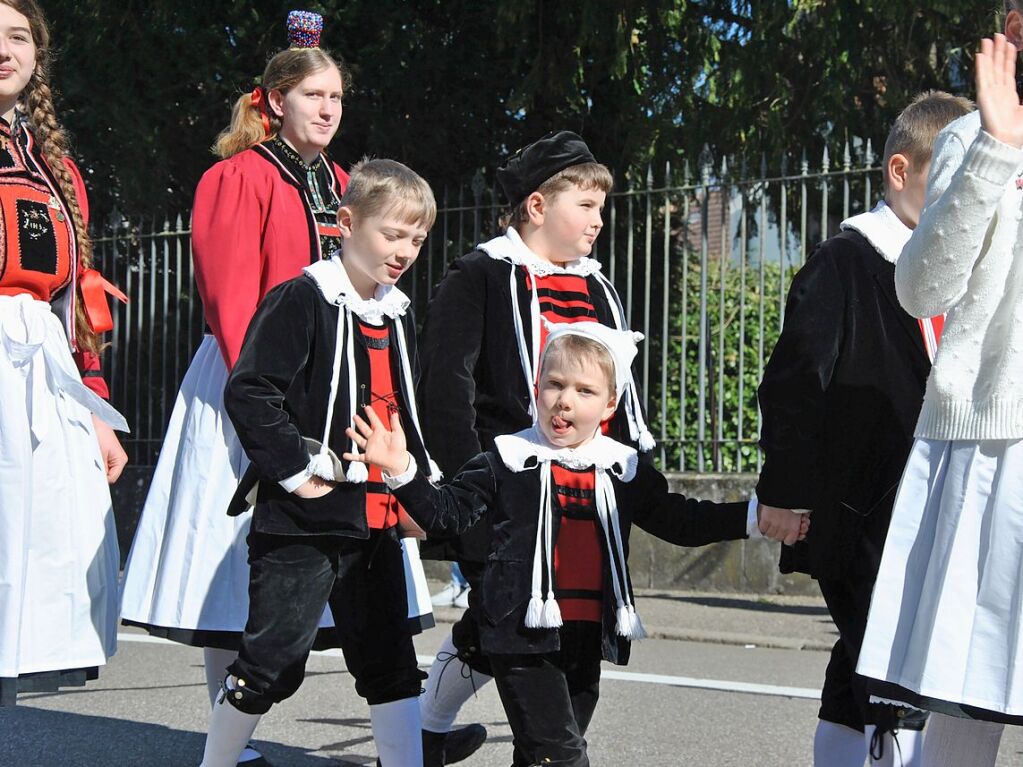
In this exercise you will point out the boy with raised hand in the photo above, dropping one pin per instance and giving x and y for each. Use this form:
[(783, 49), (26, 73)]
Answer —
[(481, 345), (557, 501), (840, 399)]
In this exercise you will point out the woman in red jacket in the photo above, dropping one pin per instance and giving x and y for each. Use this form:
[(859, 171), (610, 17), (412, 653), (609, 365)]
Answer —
[(261, 214), (58, 550)]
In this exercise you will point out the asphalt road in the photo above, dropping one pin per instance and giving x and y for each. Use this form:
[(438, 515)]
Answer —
[(678, 703)]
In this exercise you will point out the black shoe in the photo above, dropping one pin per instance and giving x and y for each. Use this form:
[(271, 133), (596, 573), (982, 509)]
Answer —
[(459, 744), (260, 762)]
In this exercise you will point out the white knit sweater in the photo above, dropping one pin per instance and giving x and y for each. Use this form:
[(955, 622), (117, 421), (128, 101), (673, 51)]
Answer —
[(966, 258)]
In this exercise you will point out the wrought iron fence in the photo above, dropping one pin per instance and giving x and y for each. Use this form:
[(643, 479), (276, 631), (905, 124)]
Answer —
[(701, 260)]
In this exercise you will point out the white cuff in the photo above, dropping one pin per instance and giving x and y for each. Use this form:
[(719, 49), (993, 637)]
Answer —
[(752, 523), (400, 480), (295, 481)]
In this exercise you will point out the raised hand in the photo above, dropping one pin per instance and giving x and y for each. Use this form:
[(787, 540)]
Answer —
[(1001, 114), (381, 447)]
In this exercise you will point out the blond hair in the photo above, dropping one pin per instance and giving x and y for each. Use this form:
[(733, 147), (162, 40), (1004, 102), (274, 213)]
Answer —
[(283, 72), (581, 352), (37, 102), (587, 176), (917, 126), (387, 187)]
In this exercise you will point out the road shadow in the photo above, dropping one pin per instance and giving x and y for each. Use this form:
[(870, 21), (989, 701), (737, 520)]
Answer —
[(739, 603), (31, 737)]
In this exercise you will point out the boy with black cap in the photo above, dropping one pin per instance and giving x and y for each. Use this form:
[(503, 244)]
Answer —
[(557, 500), (481, 346)]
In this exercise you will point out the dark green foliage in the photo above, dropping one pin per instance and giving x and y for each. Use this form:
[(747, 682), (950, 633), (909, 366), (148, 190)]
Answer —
[(449, 86)]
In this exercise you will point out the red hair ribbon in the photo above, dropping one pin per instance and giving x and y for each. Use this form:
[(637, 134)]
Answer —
[(94, 288), (259, 102)]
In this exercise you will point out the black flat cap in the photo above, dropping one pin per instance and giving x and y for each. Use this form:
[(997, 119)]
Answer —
[(529, 167)]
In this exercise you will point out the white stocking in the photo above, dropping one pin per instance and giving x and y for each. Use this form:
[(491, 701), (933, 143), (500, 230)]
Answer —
[(216, 662), (952, 741), (449, 685), (835, 745), (230, 730), (397, 732)]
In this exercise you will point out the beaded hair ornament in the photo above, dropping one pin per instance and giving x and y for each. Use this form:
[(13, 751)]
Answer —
[(304, 28)]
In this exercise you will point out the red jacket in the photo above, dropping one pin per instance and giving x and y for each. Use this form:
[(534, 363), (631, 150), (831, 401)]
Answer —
[(252, 229)]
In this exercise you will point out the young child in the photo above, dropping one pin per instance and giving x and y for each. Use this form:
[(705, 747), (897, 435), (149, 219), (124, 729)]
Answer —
[(944, 630), (557, 501), (481, 345), (337, 338), (840, 397)]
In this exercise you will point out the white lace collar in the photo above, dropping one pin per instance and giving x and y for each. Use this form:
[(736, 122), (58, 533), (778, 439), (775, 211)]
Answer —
[(333, 281), (510, 247), (526, 448), (882, 229)]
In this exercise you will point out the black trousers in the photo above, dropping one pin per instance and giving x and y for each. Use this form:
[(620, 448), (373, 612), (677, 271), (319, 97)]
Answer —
[(549, 699), (292, 579), (845, 699)]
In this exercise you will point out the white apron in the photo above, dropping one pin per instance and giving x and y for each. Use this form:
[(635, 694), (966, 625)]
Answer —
[(58, 548), (946, 617)]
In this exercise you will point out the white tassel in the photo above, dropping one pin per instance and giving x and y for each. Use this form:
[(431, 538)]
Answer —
[(551, 617), (646, 441), (322, 466), (623, 623), (436, 475), (638, 632), (534, 612), (357, 472)]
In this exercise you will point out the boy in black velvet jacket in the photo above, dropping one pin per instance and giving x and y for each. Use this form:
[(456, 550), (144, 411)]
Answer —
[(840, 399), (481, 344), (557, 501), (320, 346)]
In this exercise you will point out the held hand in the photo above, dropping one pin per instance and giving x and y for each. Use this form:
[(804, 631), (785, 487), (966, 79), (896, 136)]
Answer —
[(804, 526), (782, 525), (1001, 114), (114, 457), (380, 447), (314, 487)]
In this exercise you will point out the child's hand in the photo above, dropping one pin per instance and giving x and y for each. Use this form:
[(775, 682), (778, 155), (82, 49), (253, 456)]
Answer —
[(782, 525), (804, 526), (380, 447), (114, 457), (1001, 114), (314, 487)]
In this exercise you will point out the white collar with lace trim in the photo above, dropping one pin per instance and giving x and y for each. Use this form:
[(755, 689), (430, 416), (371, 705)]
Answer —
[(517, 450), (333, 281), (510, 247), (882, 229)]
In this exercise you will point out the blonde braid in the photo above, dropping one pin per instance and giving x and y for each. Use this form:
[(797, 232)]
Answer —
[(53, 143)]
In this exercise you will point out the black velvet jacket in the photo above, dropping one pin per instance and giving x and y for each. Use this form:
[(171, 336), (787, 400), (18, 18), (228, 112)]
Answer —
[(472, 388), (277, 394), (840, 398), (505, 504)]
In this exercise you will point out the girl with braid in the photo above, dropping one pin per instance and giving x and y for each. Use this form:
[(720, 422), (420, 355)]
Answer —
[(58, 451)]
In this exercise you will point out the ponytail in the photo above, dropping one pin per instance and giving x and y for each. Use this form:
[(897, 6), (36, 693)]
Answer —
[(246, 129)]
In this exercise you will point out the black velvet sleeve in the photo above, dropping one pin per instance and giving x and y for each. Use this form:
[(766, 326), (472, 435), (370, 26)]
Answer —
[(796, 379), (454, 507), (275, 350), (679, 520), (449, 349)]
